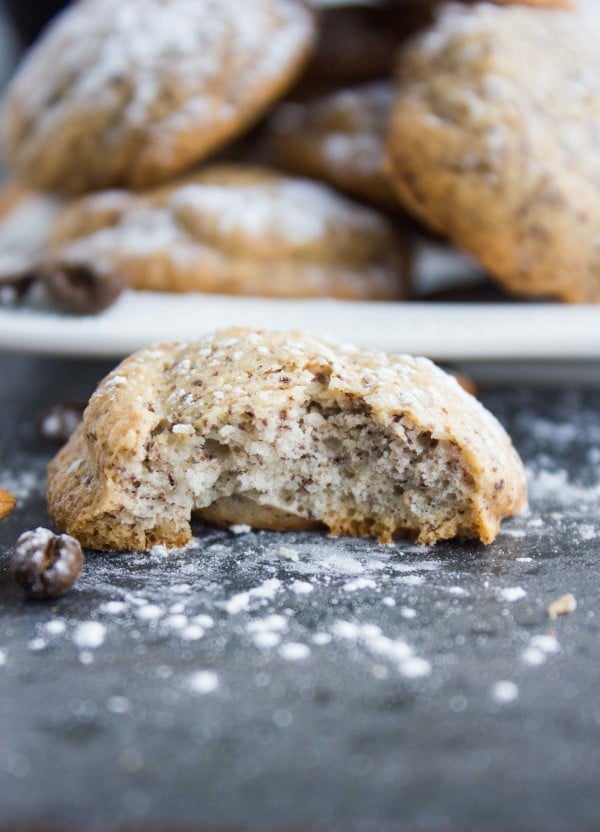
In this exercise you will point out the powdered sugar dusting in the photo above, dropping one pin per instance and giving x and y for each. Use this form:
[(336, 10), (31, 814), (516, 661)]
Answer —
[(106, 55)]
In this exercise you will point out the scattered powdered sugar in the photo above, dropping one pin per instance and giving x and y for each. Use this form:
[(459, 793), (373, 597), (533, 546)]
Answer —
[(204, 681), (241, 600), (512, 593), (294, 651), (504, 692), (23, 484), (89, 635), (301, 587), (359, 583), (55, 627), (149, 612), (114, 607), (288, 554)]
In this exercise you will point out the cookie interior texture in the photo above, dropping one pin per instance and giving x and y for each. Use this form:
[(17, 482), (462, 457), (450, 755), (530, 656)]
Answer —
[(283, 432), (129, 93), (237, 230), (493, 142)]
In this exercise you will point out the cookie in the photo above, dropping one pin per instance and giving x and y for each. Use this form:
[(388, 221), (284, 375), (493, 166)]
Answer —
[(340, 138), (494, 140), (282, 431), (129, 94), (237, 230)]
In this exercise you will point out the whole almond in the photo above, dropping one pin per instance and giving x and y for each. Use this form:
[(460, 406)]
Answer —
[(7, 504)]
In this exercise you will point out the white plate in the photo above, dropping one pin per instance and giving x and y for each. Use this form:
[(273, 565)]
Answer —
[(444, 331)]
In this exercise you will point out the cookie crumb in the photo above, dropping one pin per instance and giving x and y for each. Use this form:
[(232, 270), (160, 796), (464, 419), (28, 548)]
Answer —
[(240, 528), (288, 554), (564, 605)]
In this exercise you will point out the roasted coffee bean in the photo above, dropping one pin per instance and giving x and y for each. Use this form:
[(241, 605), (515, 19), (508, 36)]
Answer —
[(7, 504), (60, 421), (15, 281), (81, 287), (46, 565)]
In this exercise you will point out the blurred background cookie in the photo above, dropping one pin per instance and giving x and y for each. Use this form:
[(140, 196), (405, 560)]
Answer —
[(494, 143), (130, 94), (237, 230), (338, 138)]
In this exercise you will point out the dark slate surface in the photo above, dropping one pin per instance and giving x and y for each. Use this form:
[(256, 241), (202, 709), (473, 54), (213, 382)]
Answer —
[(348, 737)]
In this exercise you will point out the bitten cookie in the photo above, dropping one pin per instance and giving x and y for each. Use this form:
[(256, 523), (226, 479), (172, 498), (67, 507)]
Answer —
[(131, 93), (494, 143), (339, 138), (282, 431), (237, 230)]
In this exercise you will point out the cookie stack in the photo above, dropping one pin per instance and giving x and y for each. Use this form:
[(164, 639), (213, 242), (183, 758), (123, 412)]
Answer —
[(122, 108)]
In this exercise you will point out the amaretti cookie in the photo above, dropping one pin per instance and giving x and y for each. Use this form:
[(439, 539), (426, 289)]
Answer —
[(282, 431), (340, 138), (129, 94), (494, 142), (237, 230)]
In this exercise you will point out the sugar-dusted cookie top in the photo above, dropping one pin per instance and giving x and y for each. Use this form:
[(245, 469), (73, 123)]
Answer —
[(237, 230), (130, 93), (494, 142), (339, 137), (282, 431)]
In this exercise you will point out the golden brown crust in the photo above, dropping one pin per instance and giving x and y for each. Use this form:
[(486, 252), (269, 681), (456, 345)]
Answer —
[(129, 96), (238, 230), (125, 480), (495, 146)]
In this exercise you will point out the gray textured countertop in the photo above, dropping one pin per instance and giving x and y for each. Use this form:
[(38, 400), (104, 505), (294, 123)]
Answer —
[(272, 682)]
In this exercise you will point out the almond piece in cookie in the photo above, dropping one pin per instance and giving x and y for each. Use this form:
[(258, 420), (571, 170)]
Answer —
[(281, 431), (237, 230)]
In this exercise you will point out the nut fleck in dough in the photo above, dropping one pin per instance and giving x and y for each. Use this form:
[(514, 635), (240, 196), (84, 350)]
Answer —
[(281, 431), (131, 93), (494, 143), (339, 138), (237, 230)]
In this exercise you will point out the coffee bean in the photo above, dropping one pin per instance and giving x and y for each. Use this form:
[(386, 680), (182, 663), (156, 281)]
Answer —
[(7, 504), (61, 420), (81, 287), (46, 565)]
